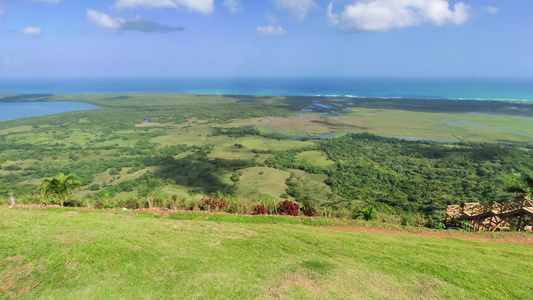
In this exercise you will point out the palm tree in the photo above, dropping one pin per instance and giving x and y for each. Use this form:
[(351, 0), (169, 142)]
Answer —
[(523, 187), (60, 186)]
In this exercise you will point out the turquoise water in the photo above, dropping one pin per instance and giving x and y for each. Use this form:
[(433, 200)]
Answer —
[(18, 110), (415, 88)]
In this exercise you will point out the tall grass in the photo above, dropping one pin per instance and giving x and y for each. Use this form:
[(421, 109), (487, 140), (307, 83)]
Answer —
[(235, 205)]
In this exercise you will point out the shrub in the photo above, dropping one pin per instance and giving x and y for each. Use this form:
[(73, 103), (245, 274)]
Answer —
[(108, 205), (214, 203), (12, 168), (435, 224), (466, 226), (95, 187), (431, 223), (367, 214), (439, 225), (235, 177), (289, 208), (104, 205), (259, 210), (245, 208), (407, 220), (308, 210)]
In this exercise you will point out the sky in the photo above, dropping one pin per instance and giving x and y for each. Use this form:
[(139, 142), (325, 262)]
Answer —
[(240, 38)]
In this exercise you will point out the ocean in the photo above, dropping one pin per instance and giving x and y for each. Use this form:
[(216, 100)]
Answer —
[(414, 88)]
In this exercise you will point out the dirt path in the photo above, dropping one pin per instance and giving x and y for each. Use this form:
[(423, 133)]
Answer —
[(525, 238)]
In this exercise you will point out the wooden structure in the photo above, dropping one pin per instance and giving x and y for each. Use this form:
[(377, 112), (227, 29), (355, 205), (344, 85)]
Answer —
[(493, 216)]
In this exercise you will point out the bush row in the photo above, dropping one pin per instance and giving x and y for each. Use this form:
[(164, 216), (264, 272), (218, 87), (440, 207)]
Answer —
[(240, 206)]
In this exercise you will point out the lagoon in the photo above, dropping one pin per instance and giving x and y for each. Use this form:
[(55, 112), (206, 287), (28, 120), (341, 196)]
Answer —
[(19, 110)]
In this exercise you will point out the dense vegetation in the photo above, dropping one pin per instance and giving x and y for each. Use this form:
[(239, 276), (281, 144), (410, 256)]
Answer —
[(416, 176), (195, 145), (411, 176)]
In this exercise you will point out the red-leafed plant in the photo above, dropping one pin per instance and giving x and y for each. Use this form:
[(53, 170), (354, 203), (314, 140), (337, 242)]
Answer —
[(289, 208), (214, 203), (259, 210), (308, 210)]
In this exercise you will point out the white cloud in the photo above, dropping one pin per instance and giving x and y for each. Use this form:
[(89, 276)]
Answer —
[(272, 19), (492, 10), (297, 8), (117, 25), (233, 6), (103, 20), (202, 6), (383, 15), (271, 31), (32, 31)]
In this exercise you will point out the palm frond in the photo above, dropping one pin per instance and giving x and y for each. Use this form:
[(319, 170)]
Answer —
[(515, 190), (60, 186), (529, 181)]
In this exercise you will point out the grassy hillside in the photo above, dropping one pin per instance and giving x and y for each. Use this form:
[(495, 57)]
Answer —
[(109, 255)]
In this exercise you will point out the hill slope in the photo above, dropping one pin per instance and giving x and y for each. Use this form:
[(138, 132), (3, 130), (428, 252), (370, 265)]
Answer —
[(110, 254)]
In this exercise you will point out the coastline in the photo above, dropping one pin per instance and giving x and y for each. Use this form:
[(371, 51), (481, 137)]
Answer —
[(48, 97), (486, 89)]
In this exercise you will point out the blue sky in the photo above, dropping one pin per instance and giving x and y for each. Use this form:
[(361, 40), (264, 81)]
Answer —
[(226, 38)]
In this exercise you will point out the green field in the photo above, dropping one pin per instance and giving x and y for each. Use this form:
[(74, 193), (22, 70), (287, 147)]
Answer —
[(51, 254), (317, 158), (262, 183), (414, 125)]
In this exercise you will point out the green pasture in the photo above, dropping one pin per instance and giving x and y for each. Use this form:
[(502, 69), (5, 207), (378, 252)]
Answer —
[(317, 158), (438, 126), (190, 136), (16, 129), (201, 135), (468, 127), (261, 183), (266, 144)]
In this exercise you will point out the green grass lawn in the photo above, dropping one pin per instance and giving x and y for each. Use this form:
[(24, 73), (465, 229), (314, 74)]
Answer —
[(59, 254), (317, 158), (262, 183)]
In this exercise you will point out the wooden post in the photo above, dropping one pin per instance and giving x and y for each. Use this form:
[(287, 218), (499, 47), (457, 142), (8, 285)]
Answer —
[(150, 203), (11, 201), (519, 222)]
